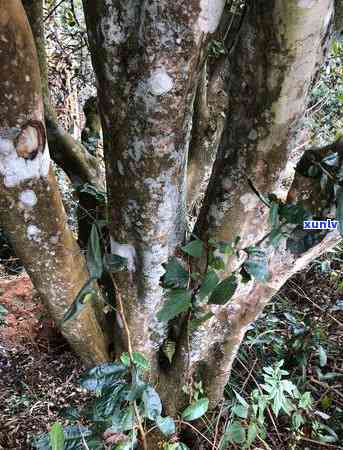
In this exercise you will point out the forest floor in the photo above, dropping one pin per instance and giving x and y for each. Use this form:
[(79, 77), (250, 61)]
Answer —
[(39, 373)]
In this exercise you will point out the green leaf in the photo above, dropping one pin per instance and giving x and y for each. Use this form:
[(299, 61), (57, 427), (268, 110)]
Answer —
[(176, 276), (123, 420), (125, 359), (179, 301), (94, 254), (224, 291), (339, 209), (166, 425), (140, 361), (152, 403), (84, 297), (194, 248), (195, 410), (240, 411), (257, 266), (208, 285), (274, 214), (56, 437), (114, 263), (103, 376), (236, 433)]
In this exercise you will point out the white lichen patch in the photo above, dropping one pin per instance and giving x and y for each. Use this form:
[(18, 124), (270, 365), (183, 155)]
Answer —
[(28, 198), (125, 251), (160, 83), (211, 13), (16, 169), (33, 233), (306, 3), (249, 201)]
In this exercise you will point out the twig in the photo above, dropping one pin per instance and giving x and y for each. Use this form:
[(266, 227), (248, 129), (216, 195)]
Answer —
[(263, 442), (261, 392), (303, 295), (217, 427), (53, 10), (324, 444), (214, 447), (129, 347)]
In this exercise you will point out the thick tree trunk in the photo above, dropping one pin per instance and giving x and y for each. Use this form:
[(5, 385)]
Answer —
[(147, 55), (149, 58), (280, 48), (69, 154), (31, 210)]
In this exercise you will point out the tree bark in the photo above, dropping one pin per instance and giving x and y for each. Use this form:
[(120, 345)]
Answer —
[(80, 166), (28, 189), (278, 51), (147, 55)]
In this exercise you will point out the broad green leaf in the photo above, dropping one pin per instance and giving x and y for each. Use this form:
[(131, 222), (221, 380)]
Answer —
[(257, 267), (240, 411), (179, 301), (72, 439), (166, 425), (208, 285), (152, 403), (339, 209), (194, 248), (125, 359), (114, 263), (84, 297), (140, 361), (94, 254), (176, 276), (236, 433), (88, 188), (195, 410), (103, 376), (241, 400), (56, 437), (224, 291), (123, 420)]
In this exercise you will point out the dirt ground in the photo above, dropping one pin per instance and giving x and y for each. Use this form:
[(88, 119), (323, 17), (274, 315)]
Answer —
[(38, 372)]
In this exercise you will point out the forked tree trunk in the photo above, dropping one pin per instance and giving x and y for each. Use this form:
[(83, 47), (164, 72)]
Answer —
[(149, 58), (31, 210)]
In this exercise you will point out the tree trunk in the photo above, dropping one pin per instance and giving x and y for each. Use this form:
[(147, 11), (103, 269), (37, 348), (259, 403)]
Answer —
[(260, 147), (31, 210), (149, 59), (69, 154), (148, 56)]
